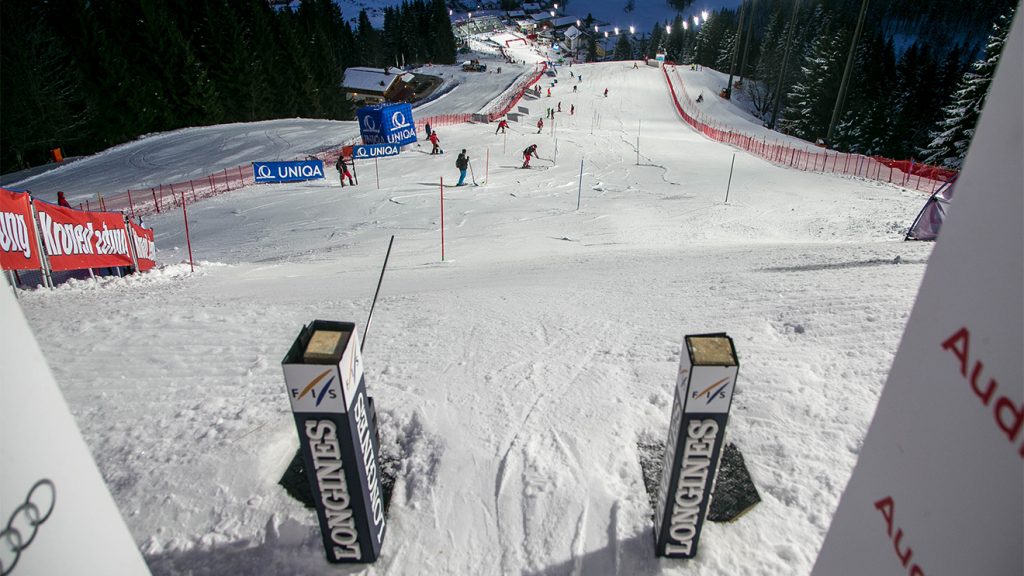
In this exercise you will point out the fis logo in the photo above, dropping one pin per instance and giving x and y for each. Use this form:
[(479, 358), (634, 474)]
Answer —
[(715, 390), (324, 392)]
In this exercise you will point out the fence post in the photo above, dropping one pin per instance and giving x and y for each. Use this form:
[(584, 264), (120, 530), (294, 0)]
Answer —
[(193, 187), (226, 181), (155, 202)]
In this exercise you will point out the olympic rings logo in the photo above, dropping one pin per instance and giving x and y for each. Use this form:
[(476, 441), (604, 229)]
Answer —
[(26, 518)]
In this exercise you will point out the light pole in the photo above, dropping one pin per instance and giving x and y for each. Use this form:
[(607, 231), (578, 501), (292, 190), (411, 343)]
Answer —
[(785, 61), (735, 51), (846, 74)]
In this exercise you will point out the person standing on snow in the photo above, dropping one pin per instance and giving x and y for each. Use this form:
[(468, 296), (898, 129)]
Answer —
[(62, 201), (426, 127), (572, 109), (434, 140), (540, 125), (605, 92), (527, 154), (342, 167), (559, 106), (462, 163), (501, 126)]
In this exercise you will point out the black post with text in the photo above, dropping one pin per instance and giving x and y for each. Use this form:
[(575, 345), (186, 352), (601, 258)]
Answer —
[(323, 373), (704, 387)]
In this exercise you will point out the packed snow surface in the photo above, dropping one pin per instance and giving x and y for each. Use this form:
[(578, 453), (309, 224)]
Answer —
[(513, 378)]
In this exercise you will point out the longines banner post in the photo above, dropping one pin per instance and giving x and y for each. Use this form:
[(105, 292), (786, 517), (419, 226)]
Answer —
[(938, 488), (704, 387), (323, 375)]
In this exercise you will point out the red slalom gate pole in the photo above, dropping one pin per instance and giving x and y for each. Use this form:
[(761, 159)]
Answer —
[(442, 218), (130, 203), (188, 239)]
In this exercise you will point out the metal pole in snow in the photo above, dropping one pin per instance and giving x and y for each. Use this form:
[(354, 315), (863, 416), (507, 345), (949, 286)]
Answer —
[(442, 218), (487, 166), (188, 238), (579, 192), (729, 185), (376, 293), (376, 169), (638, 142)]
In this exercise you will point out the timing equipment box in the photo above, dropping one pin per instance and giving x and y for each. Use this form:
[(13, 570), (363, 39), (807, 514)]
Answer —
[(323, 374), (704, 387)]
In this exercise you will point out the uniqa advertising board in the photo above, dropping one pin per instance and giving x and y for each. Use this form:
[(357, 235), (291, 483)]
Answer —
[(323, 375), (704, 387), (387, 124), (375, 151), (297, 171)]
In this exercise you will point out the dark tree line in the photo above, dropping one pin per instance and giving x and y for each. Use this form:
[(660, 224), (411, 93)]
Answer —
[(909, 66), (88, 74)]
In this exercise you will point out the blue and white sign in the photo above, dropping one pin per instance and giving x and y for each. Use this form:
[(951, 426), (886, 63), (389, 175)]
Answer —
[(265, 172), (387, 124), (375, 151)]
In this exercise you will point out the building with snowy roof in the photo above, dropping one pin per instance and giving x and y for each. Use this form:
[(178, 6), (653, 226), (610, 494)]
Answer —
[(373, 85)]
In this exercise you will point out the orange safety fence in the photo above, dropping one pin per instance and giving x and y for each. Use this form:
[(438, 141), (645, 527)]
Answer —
[(905, 173)]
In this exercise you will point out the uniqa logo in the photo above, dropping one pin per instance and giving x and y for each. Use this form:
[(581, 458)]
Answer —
[(312, 385), (264, 171), (369, 123), (398, 120), (25, 520), (713, 391)]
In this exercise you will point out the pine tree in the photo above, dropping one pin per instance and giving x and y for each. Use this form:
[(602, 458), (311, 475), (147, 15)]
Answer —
[(811, 100), (953, 134), (39, 88), (623, 48)]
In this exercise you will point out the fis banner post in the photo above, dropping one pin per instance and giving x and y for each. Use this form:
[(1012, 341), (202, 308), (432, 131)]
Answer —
[(323, 373), (387, 124), (704, 387), (297, 171)]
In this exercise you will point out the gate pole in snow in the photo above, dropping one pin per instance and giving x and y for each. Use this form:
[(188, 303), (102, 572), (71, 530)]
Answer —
[(376, 169), (729, 185), (188, 238), (366, 329), (579, 192), (487, 166), (130, 203), (638, 142), (442, 218)]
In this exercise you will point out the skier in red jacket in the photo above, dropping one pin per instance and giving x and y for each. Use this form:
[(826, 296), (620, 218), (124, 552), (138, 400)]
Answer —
[(501, 126), (540, 125), (434, 140)]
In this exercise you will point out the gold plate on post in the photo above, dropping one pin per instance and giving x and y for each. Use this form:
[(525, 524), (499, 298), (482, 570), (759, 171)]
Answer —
[(325, 345), (711, 350)]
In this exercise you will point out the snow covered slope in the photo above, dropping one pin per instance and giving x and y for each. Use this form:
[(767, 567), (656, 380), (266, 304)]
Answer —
[(514, 378)]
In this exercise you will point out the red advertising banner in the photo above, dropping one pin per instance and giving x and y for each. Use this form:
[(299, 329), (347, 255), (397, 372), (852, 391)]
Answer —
[(145, 246), (17, 234), (76, 240)]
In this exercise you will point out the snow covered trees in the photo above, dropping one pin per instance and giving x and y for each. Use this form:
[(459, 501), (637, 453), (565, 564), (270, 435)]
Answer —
[(953, 133)]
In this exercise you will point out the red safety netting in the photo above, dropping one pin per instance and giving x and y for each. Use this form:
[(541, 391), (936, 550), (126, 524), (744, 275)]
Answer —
[(502, 106), (905, 173)]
